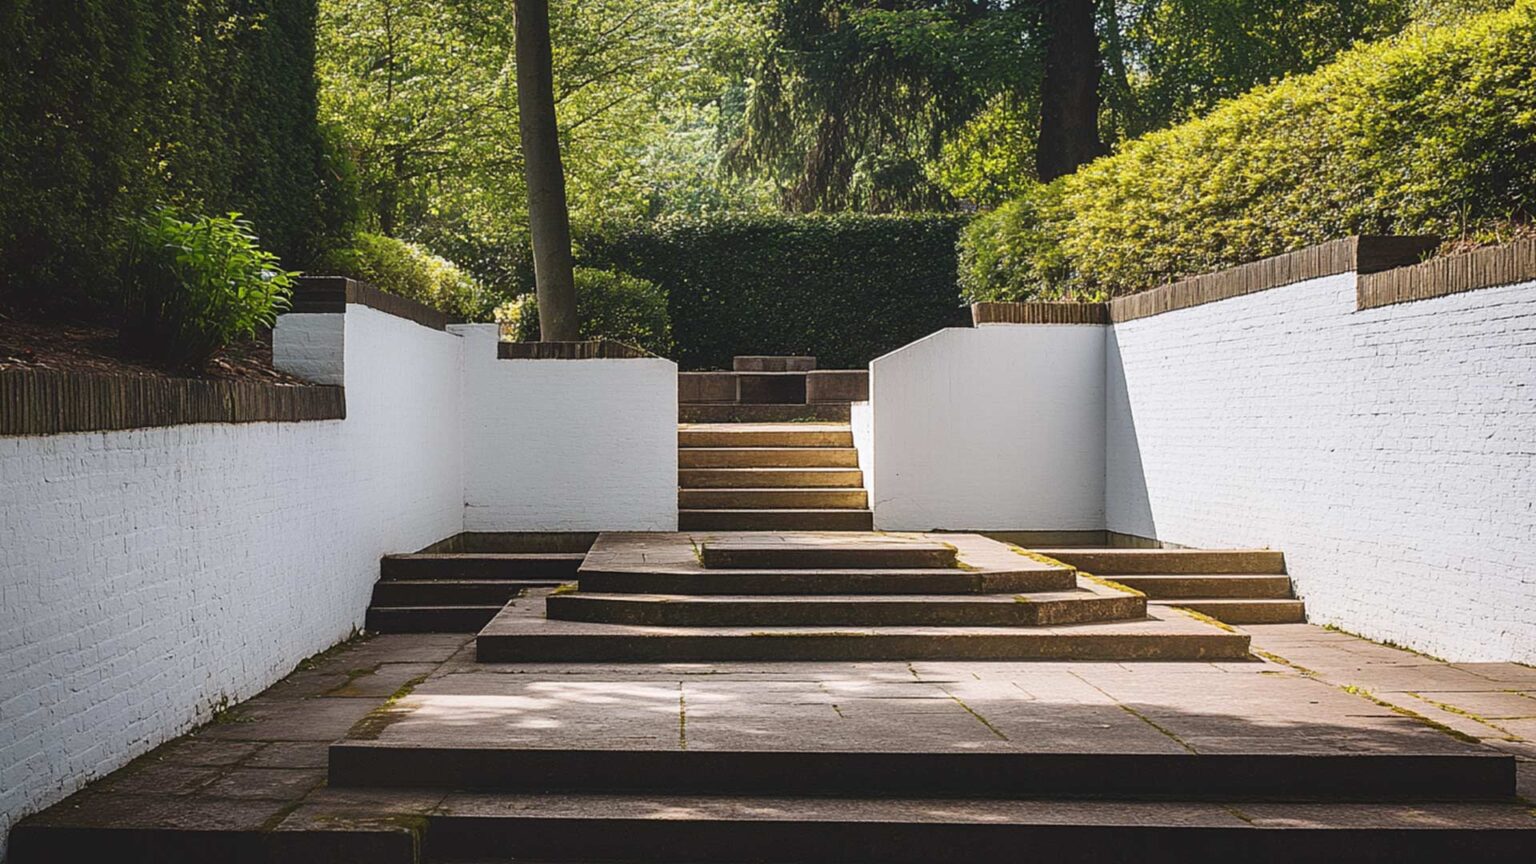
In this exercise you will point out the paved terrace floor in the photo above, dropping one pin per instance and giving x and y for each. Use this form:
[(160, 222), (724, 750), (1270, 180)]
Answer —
[(262, 767)]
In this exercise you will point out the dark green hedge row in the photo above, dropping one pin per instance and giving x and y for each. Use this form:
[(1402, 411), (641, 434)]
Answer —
[(110, 106), (844, 288), (1430, 132)]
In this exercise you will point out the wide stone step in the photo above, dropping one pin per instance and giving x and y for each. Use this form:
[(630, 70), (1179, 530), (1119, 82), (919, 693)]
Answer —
[(829, 412), (1115, 562), (779, 519), (1232, 611), (767, 457), (430, 619), (1228, 585), (521, 633), (995, 610), (817, 830), (1251, 775), (450, 592), (554, 566), (764, 478), (862, 581), (772, 499), (765, 435), (802, 551)]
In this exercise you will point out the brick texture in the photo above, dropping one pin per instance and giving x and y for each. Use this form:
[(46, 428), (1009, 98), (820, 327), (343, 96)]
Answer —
[(1387, 451)]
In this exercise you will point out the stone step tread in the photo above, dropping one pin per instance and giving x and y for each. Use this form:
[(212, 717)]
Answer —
[(815, 583), (983, 610), (427, 752), (768, 457), (1234, 611), (793, 550), (1113, 561), (751, 478), (778, 519), (521, 632), (769, 494), (511, 584), (985, 811), (527, 618), (1209, 585), (750, 428), (739, 413), (1006, 599)]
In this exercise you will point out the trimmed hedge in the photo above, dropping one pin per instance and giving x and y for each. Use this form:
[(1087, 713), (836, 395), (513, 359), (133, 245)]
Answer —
[(1433, 131), (409, 270), (108, 107), (845, 288)]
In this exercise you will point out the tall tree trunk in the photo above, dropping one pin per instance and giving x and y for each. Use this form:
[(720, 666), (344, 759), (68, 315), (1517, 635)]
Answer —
[(549, 220), (1069, 92)]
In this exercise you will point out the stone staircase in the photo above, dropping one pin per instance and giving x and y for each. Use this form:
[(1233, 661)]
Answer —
[(460, 585), (770, 477), (797, 596), (1236, 586)]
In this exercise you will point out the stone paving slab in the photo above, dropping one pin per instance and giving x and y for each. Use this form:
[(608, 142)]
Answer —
[(176, 803)]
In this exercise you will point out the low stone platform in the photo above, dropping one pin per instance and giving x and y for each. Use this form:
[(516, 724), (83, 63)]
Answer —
[(838, 596), (255, 787)]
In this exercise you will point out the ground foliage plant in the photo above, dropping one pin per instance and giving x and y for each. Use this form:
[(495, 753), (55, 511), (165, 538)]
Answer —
[(194, 284), (609, 305), (845, 288), (1432, 131), (108, 107)]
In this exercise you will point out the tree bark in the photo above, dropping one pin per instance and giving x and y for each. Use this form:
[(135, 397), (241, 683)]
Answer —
[(549, 220), (1069, 91)]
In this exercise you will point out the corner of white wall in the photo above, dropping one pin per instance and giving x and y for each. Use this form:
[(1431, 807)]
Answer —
[(312, 346), (994, 428)]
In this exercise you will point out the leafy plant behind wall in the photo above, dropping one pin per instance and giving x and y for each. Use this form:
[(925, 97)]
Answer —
[(193, 285)]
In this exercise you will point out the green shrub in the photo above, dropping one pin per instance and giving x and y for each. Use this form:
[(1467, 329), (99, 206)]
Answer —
[(409, 270), (844, 288), (1014, 252), (1433, 131), (192, 286), (609, 305), (110, 106)]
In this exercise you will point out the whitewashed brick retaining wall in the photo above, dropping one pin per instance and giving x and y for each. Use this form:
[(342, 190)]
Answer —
[(1388, 452), (150, 576)]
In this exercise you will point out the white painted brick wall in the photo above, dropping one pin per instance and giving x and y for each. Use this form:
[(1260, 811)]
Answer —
[(1388, 452), (149, 576), (568, 445), (996, 427)]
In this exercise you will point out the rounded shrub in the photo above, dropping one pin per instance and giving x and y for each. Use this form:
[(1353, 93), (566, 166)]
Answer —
[(409, 270), (609, 305)]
